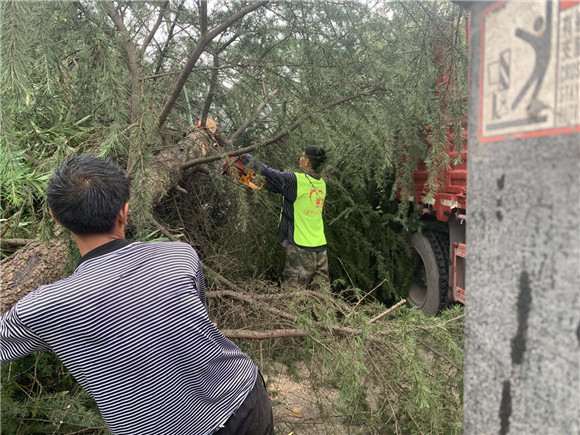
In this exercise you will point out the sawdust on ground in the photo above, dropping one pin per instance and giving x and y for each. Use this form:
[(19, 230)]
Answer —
[(301, 408)]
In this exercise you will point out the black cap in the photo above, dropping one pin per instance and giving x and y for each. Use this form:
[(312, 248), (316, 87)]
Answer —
[(316, 155)]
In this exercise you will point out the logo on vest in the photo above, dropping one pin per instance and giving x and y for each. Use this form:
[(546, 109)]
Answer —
[(319, 203)]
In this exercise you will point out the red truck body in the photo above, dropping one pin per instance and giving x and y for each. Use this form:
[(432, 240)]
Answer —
[(452, 195), (449, 207)]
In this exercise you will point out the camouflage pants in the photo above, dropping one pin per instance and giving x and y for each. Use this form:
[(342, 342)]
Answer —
[(303, 266)]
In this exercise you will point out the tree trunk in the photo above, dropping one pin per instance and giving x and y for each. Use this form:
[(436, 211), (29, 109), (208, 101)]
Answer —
[(166, 170), (34, 265)]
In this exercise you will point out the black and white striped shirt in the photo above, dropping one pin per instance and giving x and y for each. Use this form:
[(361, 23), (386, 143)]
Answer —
[(132, 327)]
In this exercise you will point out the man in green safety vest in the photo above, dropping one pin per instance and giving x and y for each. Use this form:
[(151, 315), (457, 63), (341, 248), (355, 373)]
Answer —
[(301, 229)]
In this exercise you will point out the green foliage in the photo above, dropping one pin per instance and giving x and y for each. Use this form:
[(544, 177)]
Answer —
[(401, 374), (374, 143), (51, 105), (73, 92), (40, 396)]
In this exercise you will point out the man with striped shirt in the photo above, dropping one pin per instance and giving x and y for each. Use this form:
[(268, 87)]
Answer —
[(131, 323), (301, 229)]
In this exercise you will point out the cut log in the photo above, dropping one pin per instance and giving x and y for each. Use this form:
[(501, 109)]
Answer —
[(32, 266), (166, 171)]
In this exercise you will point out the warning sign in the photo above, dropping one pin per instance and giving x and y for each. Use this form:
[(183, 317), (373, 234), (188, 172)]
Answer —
[(530, 69)]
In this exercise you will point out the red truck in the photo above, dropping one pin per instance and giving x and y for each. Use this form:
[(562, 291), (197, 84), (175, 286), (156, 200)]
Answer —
[(440, 278)]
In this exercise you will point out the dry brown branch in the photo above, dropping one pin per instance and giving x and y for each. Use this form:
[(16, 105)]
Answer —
[(16, 242), (272, 333), (384, 313)]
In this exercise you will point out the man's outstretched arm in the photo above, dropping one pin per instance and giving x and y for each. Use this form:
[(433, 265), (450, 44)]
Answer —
[(276, 181), (16, 339)]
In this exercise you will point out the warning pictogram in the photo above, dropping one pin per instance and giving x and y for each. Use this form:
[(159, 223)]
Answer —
[(499, 75), (530, 69)]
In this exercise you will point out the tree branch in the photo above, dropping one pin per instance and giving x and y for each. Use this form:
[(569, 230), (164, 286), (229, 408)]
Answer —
[(276, 137), (210, 91), (260, 335), (248, 121), (384, 313), (154, 29), (164, 231), (135, 107), (213, 81), (198, 50), (439, 354), (167, 42), (203, 16), (16, 242), (324, 329)]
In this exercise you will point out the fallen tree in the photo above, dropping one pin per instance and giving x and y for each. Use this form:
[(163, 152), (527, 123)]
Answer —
[(40, 263), (37, 263), (110, 81), (102, 77), (400, 371)]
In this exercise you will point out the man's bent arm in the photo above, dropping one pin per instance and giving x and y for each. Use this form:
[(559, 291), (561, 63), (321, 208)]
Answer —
[(16, 339)]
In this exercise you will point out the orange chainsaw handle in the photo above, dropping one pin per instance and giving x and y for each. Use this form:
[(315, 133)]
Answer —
[(240, 172)]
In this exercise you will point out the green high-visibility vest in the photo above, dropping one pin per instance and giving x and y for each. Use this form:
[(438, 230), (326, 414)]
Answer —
[(308, 225)]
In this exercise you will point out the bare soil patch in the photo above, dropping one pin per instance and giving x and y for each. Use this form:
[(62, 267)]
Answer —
[(302, 408)]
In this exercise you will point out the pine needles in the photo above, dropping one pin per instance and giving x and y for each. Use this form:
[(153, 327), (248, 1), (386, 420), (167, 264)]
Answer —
[(401, 374)]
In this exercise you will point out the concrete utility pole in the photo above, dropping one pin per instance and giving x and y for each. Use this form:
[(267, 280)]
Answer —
[(522, 352)]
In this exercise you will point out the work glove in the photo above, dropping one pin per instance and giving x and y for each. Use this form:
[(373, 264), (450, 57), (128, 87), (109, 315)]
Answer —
[(246, 159)]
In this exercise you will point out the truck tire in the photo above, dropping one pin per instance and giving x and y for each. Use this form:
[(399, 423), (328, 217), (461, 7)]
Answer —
[(429, 289)]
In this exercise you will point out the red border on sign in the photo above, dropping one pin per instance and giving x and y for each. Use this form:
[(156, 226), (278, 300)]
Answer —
[(564, 4), (481, 53)]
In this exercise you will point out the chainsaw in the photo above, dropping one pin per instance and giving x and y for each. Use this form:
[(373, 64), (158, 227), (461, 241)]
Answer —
[(242, 174)]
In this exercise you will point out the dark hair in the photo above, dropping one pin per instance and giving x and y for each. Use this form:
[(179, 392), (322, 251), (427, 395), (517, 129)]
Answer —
[(86, 194), (316, 155)]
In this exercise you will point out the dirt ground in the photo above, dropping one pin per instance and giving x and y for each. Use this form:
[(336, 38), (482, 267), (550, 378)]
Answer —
[(302, 409)]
